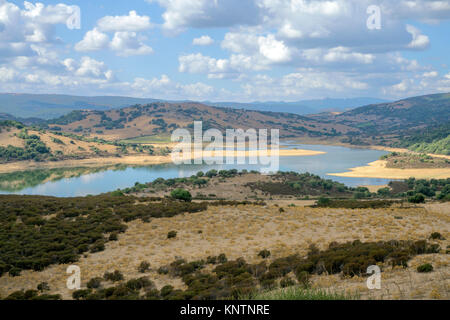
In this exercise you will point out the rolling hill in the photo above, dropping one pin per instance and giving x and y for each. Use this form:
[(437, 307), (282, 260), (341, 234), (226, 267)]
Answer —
[(48, 106), (418, 122), (162, 118), (389, 123)]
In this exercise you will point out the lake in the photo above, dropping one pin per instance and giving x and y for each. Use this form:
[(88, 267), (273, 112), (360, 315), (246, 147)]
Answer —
[(84, 181)]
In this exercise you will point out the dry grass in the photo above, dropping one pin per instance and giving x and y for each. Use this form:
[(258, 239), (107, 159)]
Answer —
[(245, 230)]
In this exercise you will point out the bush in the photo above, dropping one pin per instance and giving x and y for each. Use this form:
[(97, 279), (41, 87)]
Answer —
[(222, 258), (264, 254), (436, 236), (167, 290), (43, 286), (137, 284), (417, 198), (15, 272), (211, 260), (172, 235), (303, 278), (113, 276), (163, 270), (81, 294), (94, 283), (181, 194), (425, 268), (144, 267), (113, 236), (98, 246)]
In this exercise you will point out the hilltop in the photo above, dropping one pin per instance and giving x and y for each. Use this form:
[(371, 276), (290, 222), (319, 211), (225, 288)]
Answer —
[(390, 123), (162, 118)]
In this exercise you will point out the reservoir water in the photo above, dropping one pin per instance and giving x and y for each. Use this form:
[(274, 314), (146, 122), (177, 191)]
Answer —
[(87, 181)]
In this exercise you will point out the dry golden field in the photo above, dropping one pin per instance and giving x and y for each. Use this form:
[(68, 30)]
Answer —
[(243, 231)]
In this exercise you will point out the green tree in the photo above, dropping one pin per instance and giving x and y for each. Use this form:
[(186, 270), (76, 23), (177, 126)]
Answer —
[(181, 194)]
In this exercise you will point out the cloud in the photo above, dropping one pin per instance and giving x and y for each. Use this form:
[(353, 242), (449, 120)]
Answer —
[(126, 40), (34, 24), (305, 81), (129, 44), (419, 40), (93, 40), (164, 86), (273, 50), (431, 74), (214, 68), (183, 14), (200, 64), (337, 55), (203, 41), (132, 22)]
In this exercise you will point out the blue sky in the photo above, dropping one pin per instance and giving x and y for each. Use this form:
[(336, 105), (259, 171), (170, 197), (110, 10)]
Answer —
[(226, 50)]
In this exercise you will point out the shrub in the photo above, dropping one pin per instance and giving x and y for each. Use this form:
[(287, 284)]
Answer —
[(113, 236), (303, 278), (264, 254), (113, 276), (137, 284), (167, 290), (98, 246), (171, 235), (144, 267), (15, 272), (425, 268), (94, 283), (436, 236), (81, 294), (181, 194), (163, 270), (417, 198), (211, 260), (222, 258), (43, 286)]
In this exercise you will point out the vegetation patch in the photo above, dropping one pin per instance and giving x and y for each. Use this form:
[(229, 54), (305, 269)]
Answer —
[(354, 204), (36, 231), (238, 279), (295, 184)]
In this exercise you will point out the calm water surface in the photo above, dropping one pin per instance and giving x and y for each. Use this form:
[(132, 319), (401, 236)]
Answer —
[(336, 159)]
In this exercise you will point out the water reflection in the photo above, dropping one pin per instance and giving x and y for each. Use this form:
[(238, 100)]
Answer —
[(83, 181)]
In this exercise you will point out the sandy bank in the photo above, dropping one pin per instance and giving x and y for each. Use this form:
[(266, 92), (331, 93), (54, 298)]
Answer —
[(377, 169), (126, 160)]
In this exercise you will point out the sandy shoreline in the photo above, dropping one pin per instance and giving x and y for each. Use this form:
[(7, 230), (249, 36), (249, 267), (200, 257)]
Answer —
[(125, 160), (377, 169)]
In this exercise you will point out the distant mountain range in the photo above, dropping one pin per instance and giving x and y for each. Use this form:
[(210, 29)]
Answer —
[(54, 106), (303, 107), (406, 122)]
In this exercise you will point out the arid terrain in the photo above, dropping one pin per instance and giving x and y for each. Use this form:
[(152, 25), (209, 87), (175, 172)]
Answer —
[(243, 231), (283, 221)]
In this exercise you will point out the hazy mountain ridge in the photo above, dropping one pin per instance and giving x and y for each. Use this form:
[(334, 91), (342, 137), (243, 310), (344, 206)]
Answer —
[(53, 105), (302, 107)]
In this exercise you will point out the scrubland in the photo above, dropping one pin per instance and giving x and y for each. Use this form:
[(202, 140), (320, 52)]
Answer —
[(245, 230)]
